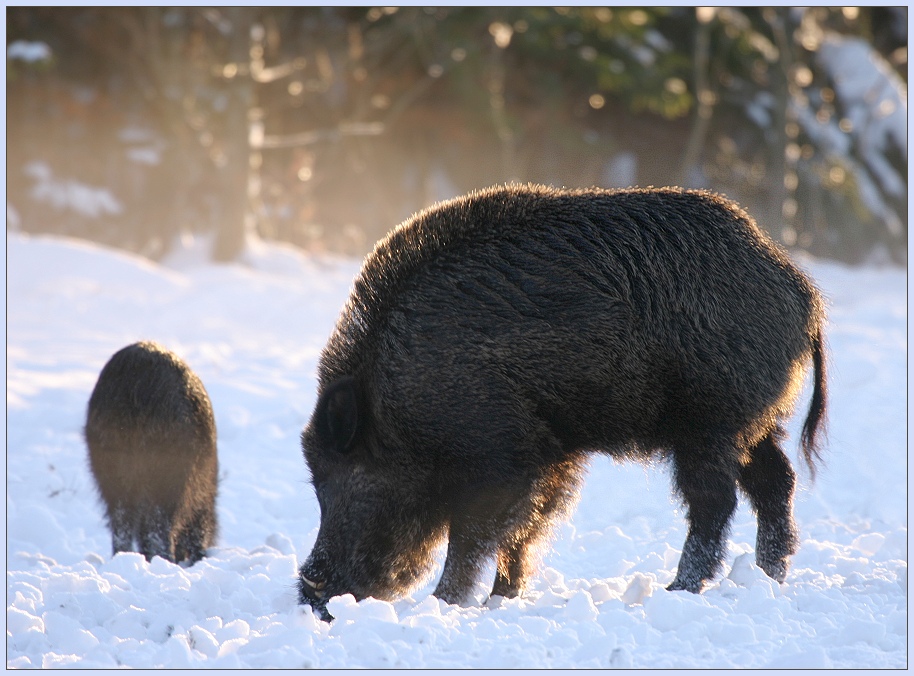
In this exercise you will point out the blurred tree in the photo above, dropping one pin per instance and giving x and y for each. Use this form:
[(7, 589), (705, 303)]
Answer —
[(324, 126), (193, 67), (784, 139)]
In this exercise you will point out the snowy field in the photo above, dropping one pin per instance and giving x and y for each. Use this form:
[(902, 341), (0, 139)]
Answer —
[(253, 332)]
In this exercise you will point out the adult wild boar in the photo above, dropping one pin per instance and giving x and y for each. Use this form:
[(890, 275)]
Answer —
[(493, 341), (152, 450)]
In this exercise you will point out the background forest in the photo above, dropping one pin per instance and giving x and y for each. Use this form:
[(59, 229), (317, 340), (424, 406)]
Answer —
[(142, 127)]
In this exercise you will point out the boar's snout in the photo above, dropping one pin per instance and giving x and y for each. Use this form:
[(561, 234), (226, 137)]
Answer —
[(313, 589), (380, 521)]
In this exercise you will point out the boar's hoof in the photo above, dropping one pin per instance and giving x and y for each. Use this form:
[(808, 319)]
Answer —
[(505, 590), (678, 585), (776, 570)]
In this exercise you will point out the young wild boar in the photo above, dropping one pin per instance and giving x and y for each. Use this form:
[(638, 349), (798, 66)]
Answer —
[(152, 450), (493, 341)]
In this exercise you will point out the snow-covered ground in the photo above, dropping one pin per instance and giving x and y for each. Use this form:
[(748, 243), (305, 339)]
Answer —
[(253, 332)]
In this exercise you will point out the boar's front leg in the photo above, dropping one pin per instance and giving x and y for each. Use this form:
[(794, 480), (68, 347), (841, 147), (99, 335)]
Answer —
[(552, 498), (514, 567), (480, 519), (465, 556), (509, 522)]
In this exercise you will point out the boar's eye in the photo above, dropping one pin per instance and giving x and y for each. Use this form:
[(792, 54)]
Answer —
[(338, 411)]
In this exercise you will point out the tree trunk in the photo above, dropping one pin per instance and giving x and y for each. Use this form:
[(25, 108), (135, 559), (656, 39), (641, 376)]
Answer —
[(704, 102), (779, 20), (233, 174)]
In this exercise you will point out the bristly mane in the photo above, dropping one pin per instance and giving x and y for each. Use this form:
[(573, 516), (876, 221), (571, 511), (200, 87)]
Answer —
[(412, 245), (447, 226)]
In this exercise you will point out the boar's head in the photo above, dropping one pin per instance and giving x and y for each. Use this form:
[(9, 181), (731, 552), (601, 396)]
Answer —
[(380, 521)]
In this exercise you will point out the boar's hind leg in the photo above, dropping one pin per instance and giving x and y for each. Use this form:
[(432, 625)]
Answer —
[(769, 480), (706, 479), (554, 495)]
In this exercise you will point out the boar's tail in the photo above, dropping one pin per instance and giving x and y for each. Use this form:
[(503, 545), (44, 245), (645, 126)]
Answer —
[(816, 416)]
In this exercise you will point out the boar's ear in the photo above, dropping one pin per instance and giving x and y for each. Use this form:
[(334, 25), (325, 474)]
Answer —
[(339, 410)]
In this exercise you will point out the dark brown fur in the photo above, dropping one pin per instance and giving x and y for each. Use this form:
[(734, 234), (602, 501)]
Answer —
[(152, 450), (493, 341)]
